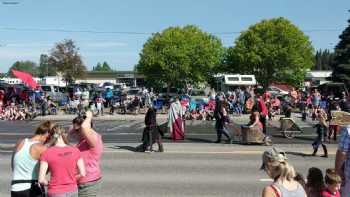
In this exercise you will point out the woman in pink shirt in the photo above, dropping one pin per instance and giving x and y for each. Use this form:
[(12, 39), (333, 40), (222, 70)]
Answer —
[(65, 165), (91, 147)]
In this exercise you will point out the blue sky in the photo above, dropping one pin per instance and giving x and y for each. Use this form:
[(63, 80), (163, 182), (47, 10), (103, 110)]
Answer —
[(121, 51)]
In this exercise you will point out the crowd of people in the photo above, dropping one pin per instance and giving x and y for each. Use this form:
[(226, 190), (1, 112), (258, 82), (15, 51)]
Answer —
[(288, 182), (333, 182), (49, 148), (74, 169)]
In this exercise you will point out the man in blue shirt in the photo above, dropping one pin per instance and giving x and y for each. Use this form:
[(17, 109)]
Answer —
[(342, 160)]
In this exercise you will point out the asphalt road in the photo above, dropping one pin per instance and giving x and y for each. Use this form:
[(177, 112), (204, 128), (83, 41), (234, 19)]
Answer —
[(130, 131), (195, 167), (185, 174)]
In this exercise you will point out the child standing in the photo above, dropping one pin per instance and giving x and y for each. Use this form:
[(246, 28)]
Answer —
[(333, 182), (99, 104), (321, 132), (315, 183)]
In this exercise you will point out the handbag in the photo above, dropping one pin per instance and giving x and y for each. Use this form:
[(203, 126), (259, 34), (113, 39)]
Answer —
[(36, 190)]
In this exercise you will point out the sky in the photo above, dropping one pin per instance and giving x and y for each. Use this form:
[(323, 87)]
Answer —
[(115, 30)]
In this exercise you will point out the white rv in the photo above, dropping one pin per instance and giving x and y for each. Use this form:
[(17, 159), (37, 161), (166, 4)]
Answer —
[(230, 82)]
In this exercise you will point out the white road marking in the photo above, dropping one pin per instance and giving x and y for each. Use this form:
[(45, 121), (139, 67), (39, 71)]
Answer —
[(266, 180)]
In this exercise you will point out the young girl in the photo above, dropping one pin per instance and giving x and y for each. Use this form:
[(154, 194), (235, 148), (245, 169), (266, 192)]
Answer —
[(321, 132), (315, 183), (65, 164), (333, 182)]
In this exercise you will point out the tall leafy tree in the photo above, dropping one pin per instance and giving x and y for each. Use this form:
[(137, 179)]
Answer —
[(273, 50), (323, 60), (44, 67), (25, 66), (67, 60), (180, 55), (341, 66)]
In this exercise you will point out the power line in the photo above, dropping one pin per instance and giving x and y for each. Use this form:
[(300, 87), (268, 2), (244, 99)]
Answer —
[(136, 33), (72, 31)]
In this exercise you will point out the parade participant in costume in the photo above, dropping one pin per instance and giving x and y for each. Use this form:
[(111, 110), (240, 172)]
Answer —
[(322, 127), (221, 118), (176, 123), (2, 95), (151, 134)]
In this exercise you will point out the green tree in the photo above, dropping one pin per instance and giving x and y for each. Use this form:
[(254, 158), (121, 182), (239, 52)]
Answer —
[(341, 66), (25, 66), (2, 75), (44, 67), (180, 55), (106, 67), (66, 59), (323, 60), (98, 67), (102, 68), (273, 50)]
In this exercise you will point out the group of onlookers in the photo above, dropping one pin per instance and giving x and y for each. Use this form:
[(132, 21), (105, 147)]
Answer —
[(74, 169), (287, 182)]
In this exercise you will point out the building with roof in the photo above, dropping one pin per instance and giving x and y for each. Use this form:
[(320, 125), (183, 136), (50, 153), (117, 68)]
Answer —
[(130, 78)]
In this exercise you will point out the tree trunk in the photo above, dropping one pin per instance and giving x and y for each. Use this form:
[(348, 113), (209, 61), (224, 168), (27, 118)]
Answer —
[(168, 90)]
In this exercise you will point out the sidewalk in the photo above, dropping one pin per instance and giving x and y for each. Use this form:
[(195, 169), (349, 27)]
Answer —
[(107, 117)]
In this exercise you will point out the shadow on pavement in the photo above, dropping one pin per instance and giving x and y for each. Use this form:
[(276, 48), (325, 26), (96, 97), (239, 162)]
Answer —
[(128, 148), (187, 139), (299, 154), (199, 140)]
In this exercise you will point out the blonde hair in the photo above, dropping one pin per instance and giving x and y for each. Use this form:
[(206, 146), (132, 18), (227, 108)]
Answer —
[(55, 133), (281, 170), (332, 177)]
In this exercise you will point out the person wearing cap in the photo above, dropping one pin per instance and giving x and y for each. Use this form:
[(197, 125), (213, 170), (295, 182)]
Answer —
[(276, 166)]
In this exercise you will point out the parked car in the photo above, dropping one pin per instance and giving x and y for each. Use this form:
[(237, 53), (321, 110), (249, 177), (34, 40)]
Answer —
[(53, 92), (131, 93), (164, 93), (277, 91), (120, 86), (107, 85), (198, 94), (336, 88)]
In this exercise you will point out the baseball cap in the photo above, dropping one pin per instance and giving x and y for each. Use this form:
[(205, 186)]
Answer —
[(273, 154)]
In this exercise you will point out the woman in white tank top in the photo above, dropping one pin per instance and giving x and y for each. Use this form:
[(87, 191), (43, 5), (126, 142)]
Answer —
[(276, 166), (24, 162)]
